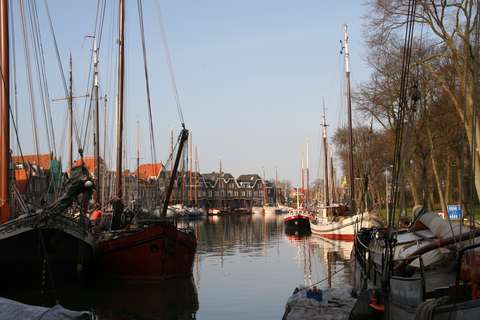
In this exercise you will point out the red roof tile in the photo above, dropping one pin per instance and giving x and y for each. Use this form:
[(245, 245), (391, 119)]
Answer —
[(149, 170), (42, 160)]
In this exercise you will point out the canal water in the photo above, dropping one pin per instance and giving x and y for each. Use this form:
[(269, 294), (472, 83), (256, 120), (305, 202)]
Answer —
[(246, 267)]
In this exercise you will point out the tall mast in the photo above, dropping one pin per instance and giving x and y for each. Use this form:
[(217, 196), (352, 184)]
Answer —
[(276, 185), (190, 160), (307, 176), (121, 69), (70, 116), (346, 53), (171, 152), (325, 158), (138, 159), (264, 188), (303, 181), (197, 174), (96, 137), (105, 124), (4, 115), (332, 179)]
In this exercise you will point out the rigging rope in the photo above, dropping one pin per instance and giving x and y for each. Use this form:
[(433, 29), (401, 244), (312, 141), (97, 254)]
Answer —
[(402, 107), (14, 65), (169, 63), (153, 150), (60, 67), (40, 68), (28, 70), (55, 44)]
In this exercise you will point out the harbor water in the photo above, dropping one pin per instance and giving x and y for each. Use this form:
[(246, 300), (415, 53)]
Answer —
[(246, 267)]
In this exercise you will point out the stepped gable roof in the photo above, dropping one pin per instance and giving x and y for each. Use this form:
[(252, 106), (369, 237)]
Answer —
[(149, 170), (41, 160), (248, 178), (227, 176), (214, 177), (210, 177)]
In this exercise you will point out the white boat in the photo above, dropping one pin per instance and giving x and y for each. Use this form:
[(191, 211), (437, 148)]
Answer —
[(339, 227), (214, 211), (270, 210), (258, 210)]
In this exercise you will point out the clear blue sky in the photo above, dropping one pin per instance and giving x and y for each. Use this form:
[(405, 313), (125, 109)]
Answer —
[(251, 75)]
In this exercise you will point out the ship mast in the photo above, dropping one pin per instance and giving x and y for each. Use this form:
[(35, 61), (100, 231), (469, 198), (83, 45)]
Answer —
[(121, 69), (96, 139), (332, 180), (346, 54), (70, 116), (307, 178), (190, 165), (325, 158), (4, 115), (197, 174)]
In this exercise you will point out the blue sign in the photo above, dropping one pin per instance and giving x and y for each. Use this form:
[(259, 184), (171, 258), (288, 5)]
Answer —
[(454, 211)]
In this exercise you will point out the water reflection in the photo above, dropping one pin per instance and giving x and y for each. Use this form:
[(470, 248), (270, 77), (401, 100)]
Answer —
[(169, 299), (246, 267)]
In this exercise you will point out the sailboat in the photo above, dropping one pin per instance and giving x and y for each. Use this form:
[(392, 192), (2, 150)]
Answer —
[(297, 219), (41, 247), (338, 221), (144, 250)]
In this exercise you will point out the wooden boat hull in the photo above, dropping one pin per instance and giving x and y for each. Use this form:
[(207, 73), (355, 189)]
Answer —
[(54, 254), (156, 252), (297, 221), (345, 229)]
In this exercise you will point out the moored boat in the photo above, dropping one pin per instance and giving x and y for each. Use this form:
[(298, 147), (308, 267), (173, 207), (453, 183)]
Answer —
[(297, 219), (258, 210), (152, 252), (342, 227), (51, 247), (214, 211), (143, 248)]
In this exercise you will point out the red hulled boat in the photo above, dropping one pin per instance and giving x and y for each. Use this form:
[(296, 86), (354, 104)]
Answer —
[(153, 252), (142, 249), (297, 218)]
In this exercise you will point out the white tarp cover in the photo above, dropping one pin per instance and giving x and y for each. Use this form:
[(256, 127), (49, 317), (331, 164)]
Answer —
[(335, 305), (13, 310)]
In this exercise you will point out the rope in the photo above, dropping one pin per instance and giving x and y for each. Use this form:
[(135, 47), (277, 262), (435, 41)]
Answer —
[(44, 77), (324, 279), (399, 131), (147, 84), (28, 70), (169, 63), (400, 119), (59, 61), (14, 65), (37, 53)]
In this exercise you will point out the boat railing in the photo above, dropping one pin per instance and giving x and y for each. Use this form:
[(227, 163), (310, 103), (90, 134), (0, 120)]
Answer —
[(373, 271), (459, 261)]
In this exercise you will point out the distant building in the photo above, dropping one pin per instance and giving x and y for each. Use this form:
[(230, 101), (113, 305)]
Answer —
[(32, 177), (222, 190)]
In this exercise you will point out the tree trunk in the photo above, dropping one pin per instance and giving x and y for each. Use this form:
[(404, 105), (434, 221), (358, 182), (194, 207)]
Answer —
[(413, 188), (447, 181), (435, 171)]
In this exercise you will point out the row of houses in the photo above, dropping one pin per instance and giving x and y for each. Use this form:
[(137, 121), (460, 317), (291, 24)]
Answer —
[(146, 186)]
